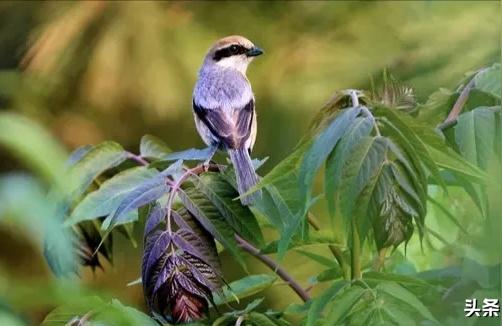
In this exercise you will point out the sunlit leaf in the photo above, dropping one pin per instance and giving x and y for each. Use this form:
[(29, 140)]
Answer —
[(144, 193), (153, 147), (110, 194), (322, 147)]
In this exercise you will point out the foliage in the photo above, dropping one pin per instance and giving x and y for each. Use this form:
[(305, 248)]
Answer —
[(385, 169)]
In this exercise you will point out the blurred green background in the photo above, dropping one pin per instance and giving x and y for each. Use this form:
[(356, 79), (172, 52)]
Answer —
[(91, 71)]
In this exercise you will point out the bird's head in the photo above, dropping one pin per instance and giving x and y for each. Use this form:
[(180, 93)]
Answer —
[(233, 52)]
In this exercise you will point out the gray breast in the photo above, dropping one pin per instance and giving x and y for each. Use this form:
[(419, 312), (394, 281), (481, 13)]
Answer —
[(219, 88)]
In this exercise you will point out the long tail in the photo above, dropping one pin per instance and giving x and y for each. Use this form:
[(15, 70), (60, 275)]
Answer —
[(244, 172)]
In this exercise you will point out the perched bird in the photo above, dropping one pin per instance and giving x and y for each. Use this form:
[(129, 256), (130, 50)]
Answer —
[(224, 106)]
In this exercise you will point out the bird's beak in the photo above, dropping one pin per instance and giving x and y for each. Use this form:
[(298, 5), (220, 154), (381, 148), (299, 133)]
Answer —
[(253, 52)]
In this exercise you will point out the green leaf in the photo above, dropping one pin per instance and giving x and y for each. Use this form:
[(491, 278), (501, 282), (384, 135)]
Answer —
[(319, 303), (110, 194), (418, 136), (94, 310), (361, 127), (34, 145), (115, 313), (211, 219), (475, 135), (451, 160), (343, 303), (245, 287), (396, 314), (63, 314), (395, 290), (259, 319), (489, 80), (144, 193), (365, 160), (329, 274), (99, 159), (24, 203), (192, 154), (321, 148), (318, 258), (153, 147), (284, 169), (222, 195)]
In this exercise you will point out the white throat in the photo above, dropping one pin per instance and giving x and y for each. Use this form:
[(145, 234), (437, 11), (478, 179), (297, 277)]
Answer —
[(236, 62)]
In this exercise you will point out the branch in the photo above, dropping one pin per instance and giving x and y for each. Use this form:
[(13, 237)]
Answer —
[(452, 117), (197, 170), (275, 267)]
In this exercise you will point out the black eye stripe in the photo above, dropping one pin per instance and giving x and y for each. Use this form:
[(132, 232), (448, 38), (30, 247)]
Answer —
[(228, 51)]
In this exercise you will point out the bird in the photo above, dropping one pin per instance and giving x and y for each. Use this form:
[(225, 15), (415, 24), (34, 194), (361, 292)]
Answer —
[(224, 107)]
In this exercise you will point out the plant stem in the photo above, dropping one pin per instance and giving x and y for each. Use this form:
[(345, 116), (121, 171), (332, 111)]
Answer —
[(379, 262), (452, 117), (337, 253), (355, 253), (302, 293), (137, 158)]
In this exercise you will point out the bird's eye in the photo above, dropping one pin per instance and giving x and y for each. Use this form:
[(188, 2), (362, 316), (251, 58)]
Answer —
[(234, 49)]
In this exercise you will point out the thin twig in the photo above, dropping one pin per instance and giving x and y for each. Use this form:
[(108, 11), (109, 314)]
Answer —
[(275, 267), (452, 117), (137, 158)]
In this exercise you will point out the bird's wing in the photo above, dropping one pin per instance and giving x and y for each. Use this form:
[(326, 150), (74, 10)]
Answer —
[(232, 130)]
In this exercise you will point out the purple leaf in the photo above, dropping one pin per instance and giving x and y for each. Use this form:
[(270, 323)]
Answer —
[(157, 215), (154, 251)]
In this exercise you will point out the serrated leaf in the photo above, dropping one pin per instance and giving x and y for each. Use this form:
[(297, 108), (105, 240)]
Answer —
[(153, 147), (361, 127), (211, 219), (144, 193), (110, 194), (364, 161), (418, 135), (343, 303), (245, 287), (222, 195), (322, 147), (199, 238), (318, 304), (395, 290)]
